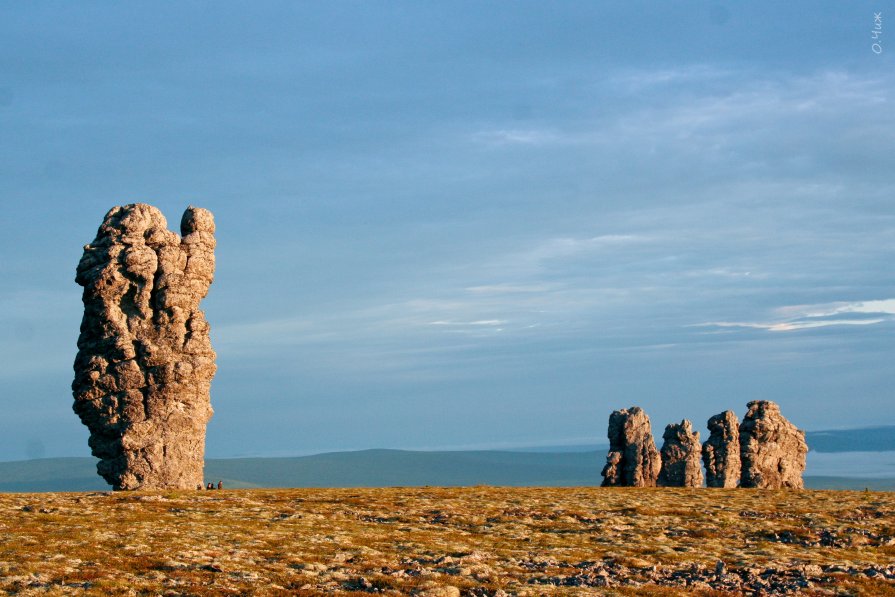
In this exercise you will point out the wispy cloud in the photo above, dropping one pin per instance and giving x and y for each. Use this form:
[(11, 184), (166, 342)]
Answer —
[(472, 328), (791, 326), (636, 80), (886, 306), (507, 288), (480, 322), (730, 109), (557, 248), (802, 317), (633, 264), (266, 333), (531, 136), (723, 272), (760, 101)]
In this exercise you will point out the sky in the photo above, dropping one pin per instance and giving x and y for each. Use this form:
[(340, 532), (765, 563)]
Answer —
[(448, 225)]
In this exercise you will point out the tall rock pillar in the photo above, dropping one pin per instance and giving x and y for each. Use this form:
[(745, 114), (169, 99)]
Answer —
[(680, 456), (145, 362), (772, 450), (633, 460), (721, 451)]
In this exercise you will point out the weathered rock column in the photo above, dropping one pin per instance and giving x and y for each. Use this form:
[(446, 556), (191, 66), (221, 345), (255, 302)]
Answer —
[(145, 362), (633, 460), (721, 451), (680, 456), (772, 449)]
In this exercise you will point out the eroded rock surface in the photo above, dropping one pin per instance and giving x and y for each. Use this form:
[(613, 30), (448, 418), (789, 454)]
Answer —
[(680, 456), (633, 460), (145, 362), (721, 451), (772, 449)]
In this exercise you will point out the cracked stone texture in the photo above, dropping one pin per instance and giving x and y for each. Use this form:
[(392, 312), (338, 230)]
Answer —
[(680, 456), (145, 362), (772, 449), (633, 460), (721, 451)]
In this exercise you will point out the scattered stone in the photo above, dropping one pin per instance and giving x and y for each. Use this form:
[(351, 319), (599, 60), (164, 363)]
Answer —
[(680, 456), (698, 577), (721, 451), (432, 589), (772, 449), (633, 460), (145, 362)]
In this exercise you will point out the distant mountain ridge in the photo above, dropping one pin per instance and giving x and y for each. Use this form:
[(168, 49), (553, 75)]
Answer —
[(544, 466), (365, 468), (867, 439), (371, 468)]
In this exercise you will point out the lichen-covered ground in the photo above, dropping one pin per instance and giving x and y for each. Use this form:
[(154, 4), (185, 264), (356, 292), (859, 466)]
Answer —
[(449, 541)]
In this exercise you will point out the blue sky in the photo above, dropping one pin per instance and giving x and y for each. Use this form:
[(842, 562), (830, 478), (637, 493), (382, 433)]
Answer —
[(458, 224)]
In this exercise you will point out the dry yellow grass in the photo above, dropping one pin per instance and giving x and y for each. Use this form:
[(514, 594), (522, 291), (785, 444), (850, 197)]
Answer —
[(479, 540)]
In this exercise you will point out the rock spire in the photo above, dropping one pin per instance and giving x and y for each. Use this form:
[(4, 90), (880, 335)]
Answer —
[(680, 456), (721, 451), (772, 449), (633, 459), (145, 362)]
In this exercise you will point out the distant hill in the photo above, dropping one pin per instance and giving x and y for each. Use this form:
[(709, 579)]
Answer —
[(868, 439), (386, 468), (366, 468), (852, 483), (51, 474), (371, 468)]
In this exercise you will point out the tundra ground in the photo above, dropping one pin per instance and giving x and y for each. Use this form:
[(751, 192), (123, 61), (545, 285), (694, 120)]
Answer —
[(449, 541)]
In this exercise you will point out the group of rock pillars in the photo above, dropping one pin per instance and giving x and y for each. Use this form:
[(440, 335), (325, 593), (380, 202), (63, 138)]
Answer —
[(764, 451), (145, 364)]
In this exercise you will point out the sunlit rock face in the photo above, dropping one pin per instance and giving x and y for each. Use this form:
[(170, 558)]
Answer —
[(772, 450), (680, 456), (633, 460), (145, 362), (721, 451)]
